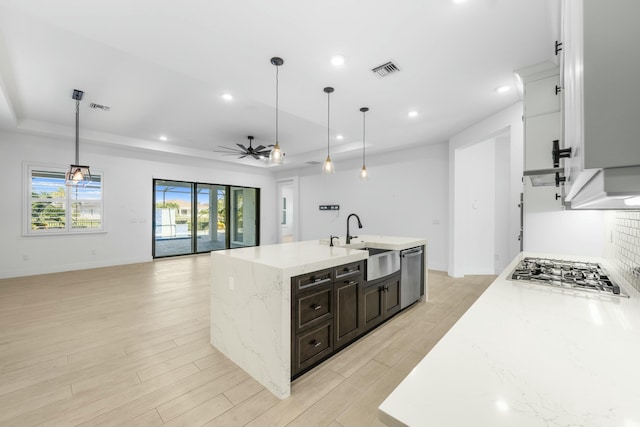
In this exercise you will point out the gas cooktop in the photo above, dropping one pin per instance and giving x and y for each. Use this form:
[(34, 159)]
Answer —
[(583, 276)]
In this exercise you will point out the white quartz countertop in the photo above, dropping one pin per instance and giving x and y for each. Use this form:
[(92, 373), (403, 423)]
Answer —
[(310, 255), (317, 254), (529, 355), (395, 243)]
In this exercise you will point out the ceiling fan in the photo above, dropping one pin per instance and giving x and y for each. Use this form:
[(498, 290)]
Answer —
[(260, 152)]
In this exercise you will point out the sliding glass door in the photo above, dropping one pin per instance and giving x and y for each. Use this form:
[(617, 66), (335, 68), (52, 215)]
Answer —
[(173, 218), (211, 217), (192, 217)]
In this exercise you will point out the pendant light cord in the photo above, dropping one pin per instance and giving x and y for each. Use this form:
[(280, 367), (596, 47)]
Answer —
[(77, 131), (363, 135), (328, 120), (277, 83)]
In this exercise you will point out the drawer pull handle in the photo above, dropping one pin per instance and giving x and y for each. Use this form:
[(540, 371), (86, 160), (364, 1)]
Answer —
[(316, 307), (346, 269), (316, 343), (350, 282)]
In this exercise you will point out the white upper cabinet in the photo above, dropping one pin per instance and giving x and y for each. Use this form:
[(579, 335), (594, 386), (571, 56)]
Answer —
[(542, 116), (601, 86), (541, 96)]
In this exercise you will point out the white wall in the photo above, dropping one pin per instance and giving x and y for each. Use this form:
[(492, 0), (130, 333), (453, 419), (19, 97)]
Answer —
[(406, 195), (509, 119), (548, 228), (128, 178), (503, 246), (475, 172)]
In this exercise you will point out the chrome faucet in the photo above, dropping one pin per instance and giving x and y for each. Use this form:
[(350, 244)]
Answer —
[(349, 237)]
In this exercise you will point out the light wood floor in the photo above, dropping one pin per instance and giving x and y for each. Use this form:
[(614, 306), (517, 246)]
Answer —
[(129, 345)]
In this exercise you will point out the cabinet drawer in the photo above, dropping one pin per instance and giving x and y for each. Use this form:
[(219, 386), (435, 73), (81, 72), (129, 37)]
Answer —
[(312, 279), (314, 345), (314, 307), (348, 270)]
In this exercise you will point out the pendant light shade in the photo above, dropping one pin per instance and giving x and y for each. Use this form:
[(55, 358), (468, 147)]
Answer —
[(77, 174), (328, 167), (276, 156), (363, 172)]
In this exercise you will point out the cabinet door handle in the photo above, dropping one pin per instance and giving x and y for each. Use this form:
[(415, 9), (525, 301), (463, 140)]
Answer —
[(558, 47), (316, 307), (346, 270), (316, 343)]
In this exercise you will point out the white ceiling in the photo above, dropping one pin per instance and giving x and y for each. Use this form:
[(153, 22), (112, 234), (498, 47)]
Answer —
[(162, 66)]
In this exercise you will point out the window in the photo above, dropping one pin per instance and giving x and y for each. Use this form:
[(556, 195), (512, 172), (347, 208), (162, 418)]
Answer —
[(54, 208), (192, 217)]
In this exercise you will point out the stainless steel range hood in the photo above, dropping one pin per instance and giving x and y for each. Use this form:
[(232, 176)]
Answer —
[(608, 189)]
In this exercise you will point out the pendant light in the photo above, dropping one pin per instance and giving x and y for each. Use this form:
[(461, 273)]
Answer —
[(77, 174), (328, 167), (363, 172), (276, 155)]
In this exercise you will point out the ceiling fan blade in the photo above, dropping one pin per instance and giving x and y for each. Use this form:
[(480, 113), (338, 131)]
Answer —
[(259, 148), (229, 148), (242, 146)]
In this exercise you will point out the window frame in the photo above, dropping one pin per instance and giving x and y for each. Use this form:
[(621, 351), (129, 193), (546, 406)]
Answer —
[(68, 203)]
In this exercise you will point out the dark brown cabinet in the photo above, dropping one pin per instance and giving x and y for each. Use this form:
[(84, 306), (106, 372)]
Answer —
[(346, 320), (324, 313), (332, 307), (379, 300)]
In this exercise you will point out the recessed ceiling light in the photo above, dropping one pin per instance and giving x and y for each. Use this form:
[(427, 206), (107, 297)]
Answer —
[(339, 137), (337, 60), (413, 114), (227, 96), (162, 138), (503, 89)]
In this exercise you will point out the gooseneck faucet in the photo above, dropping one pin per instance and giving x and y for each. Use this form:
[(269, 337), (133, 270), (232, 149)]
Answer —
[(349, 237)]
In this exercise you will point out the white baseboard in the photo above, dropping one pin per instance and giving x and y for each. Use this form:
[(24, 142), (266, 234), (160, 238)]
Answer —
[(46, 269)]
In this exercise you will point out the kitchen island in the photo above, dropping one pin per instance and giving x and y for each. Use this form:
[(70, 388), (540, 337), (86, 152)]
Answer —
[(529, 355), (251, 299)]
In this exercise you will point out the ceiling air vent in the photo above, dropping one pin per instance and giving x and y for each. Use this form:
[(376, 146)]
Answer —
[(99, 107), (313, 162), (385, 69)]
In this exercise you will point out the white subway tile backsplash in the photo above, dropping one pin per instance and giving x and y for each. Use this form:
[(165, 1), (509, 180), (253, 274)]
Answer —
[(626, 246)]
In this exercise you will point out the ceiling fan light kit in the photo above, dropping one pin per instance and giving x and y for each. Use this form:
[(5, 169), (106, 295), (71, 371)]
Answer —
[(77, 174)]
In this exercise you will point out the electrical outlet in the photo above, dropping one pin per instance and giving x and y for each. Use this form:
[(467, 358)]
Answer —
[(93, 251), (231, 283), (25, 257)]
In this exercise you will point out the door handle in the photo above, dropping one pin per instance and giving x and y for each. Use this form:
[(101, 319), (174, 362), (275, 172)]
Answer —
[(316, 307)]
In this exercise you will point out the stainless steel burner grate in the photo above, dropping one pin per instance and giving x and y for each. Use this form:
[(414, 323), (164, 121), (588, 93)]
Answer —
[(583, 276)]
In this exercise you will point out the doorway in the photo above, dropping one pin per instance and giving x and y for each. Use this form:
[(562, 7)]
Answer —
[(482, 201), (287, 211)]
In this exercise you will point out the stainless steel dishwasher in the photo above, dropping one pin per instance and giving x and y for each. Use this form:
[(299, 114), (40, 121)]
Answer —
[(411, 276)]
